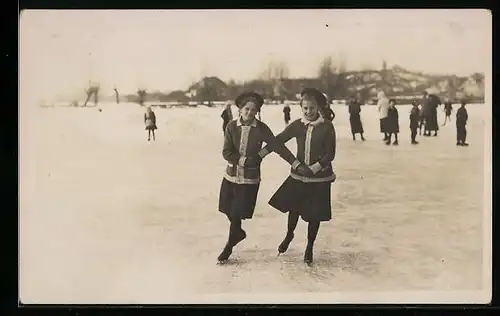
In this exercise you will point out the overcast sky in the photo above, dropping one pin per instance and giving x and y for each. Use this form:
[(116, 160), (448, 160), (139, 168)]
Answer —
[(167, 50)]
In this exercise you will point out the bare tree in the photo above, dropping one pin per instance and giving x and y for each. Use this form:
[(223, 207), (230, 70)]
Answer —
[(275, 74), (342, 64), (142, 96), (327, 76), (342, 84)]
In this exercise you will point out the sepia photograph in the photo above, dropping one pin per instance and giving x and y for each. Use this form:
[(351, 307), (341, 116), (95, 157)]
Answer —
[(297, 156)]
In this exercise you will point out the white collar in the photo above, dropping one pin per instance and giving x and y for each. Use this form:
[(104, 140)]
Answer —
[(316, 122), (239, 122)]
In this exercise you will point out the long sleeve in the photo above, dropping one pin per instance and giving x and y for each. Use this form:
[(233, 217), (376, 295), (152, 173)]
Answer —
[(330, 143), (229, 151), (153, 118), (283, 137), (277, 145), (225, 116)]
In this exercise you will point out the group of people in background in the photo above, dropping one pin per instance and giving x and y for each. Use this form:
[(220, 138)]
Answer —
[(423, 116)]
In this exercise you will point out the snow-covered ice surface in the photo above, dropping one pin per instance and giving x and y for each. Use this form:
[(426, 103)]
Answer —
[(106, 217)]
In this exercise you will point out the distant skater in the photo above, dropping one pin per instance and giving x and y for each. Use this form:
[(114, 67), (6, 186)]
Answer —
[(355, 118), (240, 185), (227, 116), (461, 122), (430, 103), (150, 122), (414, 121), (392, 123), (286, 113), (383, 109), (308, 195), (448, 108)]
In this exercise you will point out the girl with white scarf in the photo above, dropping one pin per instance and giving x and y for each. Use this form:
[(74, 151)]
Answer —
[(383, 110)]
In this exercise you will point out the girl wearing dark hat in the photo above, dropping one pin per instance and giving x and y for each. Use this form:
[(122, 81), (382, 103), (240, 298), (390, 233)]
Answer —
[(308, 195), (392, 123), (242, 142)]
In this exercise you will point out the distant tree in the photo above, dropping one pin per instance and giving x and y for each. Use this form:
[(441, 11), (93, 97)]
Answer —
[(275, 74), (342, 84), (327, 76), (141, 93)]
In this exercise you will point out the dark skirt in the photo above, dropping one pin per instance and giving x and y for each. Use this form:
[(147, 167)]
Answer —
[(151, 127), (312, 201), (393, 125), (431, 123), (383, 125), (448, 112), (356, 125), (238, 200)]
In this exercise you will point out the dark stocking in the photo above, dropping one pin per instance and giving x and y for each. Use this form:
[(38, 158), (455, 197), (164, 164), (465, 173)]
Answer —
[(293, 219), (312, 232)]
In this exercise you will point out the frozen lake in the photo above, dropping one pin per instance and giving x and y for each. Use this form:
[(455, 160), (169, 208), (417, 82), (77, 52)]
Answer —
[(106, 217)]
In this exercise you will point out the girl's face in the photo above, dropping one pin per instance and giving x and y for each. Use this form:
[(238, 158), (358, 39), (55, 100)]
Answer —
[(248, 111), (310, 109)]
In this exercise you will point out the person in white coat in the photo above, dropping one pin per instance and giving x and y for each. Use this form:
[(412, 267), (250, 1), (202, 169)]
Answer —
[(383, 110)]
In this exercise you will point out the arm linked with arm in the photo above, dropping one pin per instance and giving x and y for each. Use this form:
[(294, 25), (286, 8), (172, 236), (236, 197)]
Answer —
[(277, 144), (282, 137)]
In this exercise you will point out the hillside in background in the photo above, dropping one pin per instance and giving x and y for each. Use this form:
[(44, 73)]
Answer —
[(396, 81)]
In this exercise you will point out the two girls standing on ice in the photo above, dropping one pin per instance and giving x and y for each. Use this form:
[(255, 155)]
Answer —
[(307, 194), (243, 140), (150, 122)]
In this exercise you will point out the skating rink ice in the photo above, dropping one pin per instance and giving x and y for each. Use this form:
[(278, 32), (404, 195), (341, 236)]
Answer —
[(106, 217)]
